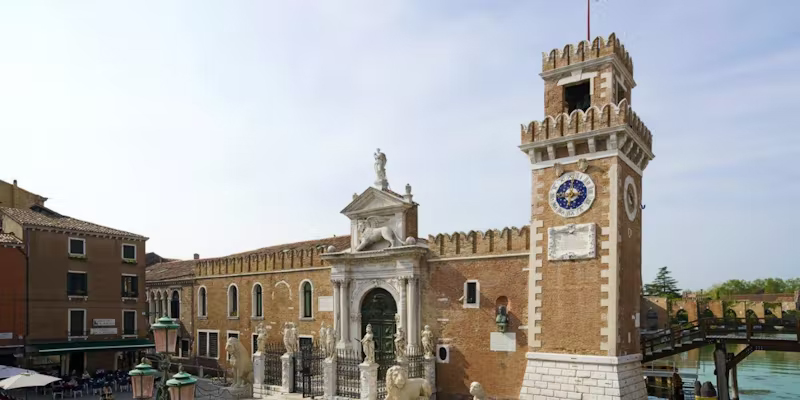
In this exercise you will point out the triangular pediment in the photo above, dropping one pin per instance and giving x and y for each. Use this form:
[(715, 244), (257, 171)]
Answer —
[(374, 201)]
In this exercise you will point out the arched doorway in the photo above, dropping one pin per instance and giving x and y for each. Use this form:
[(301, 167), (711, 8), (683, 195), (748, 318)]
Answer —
[(707, 313), (175, 306), (379, 309), (681, 317)]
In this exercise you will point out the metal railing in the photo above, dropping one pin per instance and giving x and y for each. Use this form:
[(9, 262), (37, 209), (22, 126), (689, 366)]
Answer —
[(348, 383), (272, 363), (308, 373)]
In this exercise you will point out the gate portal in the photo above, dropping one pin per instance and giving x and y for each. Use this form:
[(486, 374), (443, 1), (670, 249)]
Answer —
[(379, 309)]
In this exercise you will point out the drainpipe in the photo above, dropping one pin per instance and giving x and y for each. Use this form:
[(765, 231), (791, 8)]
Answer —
[(26, 238)]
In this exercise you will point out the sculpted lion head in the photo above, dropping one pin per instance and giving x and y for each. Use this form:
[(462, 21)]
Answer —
[(395, 380), (476, 390)]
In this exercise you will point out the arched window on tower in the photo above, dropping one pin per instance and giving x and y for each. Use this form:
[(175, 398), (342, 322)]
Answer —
[(203, 303), (175, 305), (258, 306), (233, 301)]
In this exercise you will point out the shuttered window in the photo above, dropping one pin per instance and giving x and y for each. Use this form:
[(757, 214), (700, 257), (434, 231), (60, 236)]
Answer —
[(202, 340), (213, 344)]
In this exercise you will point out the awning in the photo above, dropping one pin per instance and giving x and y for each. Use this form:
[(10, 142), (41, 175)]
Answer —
[(68, 347)]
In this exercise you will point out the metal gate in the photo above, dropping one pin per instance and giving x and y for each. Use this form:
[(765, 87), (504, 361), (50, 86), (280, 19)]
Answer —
[(308, 373)]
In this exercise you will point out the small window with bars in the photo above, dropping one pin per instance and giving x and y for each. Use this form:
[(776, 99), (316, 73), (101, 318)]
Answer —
[(471, 294)]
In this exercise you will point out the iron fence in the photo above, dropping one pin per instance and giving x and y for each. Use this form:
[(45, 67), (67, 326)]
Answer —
[(308, 372), (385, 361), (348, 382), (272, 363), (416, 366)]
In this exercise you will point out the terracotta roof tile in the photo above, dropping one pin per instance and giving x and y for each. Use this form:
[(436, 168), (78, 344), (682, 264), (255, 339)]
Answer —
[(340, 242), (45, 218), (8, 238), (170, 270)]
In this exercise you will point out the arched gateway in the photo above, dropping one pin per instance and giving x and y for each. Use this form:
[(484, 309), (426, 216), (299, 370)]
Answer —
[(379, 309)]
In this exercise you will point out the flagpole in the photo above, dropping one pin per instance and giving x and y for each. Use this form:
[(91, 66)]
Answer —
[(588, 15)]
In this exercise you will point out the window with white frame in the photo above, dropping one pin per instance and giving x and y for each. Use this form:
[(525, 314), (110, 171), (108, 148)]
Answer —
[(129, 322), (233, 301), (77, 323), (472, 294), (129, 252), (258, 301), (76, 247), (208, 344), (130, 286), (77, 283), (202, 300), (306, 303)]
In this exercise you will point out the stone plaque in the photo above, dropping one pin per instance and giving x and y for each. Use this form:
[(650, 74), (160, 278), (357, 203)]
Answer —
[(499, 341), (103, 322), (572, 242), (325, 303), (103, 331)]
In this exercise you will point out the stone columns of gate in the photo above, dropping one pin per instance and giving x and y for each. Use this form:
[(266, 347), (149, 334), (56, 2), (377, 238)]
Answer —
[(337, 315), (344, 308), (413, 310), (401, 307)]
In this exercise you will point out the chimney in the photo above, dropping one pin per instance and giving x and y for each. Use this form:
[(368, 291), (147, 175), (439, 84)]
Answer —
[(196, 256), (14, 195)]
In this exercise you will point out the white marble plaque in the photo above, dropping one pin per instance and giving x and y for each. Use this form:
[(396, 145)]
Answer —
[(325, 303), (572, 242), (6, 335), (103, 331), (499, 341), (103, 322)]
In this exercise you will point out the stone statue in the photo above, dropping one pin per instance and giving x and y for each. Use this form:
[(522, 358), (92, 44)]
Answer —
[(261, 340), (427, 341), (295, 344), (477, 392), (400, 387), (369, 232), (323, 333), (368, 345), (289, 337), (330, 342), (400, 344), (240, 362), (380, 170)]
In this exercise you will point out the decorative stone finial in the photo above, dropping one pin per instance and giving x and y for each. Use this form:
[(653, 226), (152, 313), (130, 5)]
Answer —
[(408, 189), (408, 196), (331, 249)]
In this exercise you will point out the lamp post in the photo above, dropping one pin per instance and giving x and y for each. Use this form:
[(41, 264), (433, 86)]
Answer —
[(165, 334)]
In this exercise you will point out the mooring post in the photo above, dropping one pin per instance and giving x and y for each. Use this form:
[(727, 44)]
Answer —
[(735, 384), (721, 365)]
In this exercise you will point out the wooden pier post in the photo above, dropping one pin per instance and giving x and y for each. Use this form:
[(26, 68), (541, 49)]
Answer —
[(721, 365)]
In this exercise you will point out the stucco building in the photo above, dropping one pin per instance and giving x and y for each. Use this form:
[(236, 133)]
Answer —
[(568, 283), (78, 298)]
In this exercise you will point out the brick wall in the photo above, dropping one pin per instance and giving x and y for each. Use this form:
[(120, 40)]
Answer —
[(12, 195), (570, 296), (629, 268), (281, 301), (468, 329)]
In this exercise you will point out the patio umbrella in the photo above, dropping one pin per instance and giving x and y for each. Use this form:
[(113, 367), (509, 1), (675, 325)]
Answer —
[(6, 371), (26, 380)]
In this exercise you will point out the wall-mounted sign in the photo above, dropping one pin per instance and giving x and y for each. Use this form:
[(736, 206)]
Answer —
[(103, 322), (103, 331), (6, 335), (325, 303)]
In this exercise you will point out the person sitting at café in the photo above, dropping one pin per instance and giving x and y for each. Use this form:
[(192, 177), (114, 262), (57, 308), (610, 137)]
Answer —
[(86, 375), (107, 393)]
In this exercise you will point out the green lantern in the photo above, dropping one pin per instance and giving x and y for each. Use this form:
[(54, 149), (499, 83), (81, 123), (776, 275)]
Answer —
[(181, 386), (142, 378)]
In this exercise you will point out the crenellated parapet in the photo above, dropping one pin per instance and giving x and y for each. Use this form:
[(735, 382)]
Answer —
[(488, 242), (584, 51), (301, 255), (579, 121)]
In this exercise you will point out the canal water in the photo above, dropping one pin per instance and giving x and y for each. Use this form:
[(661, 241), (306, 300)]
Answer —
[(763, 375)]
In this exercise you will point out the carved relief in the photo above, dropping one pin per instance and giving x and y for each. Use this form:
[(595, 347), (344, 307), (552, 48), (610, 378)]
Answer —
[(374, 230)]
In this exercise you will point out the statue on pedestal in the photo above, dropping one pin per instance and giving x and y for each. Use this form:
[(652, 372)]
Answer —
[(380, 170), (262, 337), (400, 387), (400, 344), (368, 345), (290, 337), (426, 336), (330, 342)]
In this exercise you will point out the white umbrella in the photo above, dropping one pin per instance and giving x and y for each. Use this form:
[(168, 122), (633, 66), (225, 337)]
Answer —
[(27, 380), (6, 371)]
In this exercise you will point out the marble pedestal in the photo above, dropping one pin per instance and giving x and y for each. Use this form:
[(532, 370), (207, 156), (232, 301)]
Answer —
[(369, 381), (287, 373), (571, 376)]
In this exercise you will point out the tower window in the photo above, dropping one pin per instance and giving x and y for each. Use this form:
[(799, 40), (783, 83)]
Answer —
[(577, 96)]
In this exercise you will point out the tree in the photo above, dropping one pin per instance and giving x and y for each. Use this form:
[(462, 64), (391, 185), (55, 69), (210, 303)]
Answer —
[(664, 285)]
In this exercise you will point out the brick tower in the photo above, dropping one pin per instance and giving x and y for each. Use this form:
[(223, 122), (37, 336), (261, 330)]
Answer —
[(587, 158)]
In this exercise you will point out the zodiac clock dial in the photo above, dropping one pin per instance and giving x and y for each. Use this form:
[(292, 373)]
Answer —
[(572, 194)]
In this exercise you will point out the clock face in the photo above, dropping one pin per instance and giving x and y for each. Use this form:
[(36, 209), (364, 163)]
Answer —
[(572, 194), (631, 198)]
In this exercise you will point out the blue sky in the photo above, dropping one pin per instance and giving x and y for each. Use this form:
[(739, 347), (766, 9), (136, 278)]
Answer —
[(218, 127)]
